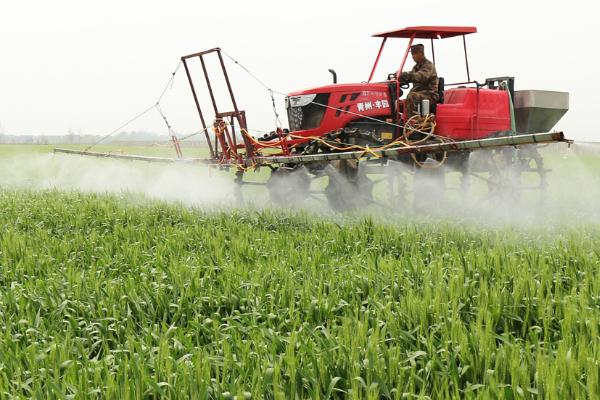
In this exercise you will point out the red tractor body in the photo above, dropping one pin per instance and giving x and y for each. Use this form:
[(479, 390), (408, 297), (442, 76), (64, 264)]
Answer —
[(467, 113)]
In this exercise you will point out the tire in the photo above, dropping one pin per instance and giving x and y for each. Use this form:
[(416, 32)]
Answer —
[(289, 186), (349, 188)]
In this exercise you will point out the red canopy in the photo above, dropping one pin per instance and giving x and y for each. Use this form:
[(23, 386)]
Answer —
[(429, 32)]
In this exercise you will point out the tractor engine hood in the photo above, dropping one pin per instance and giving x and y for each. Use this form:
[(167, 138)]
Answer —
[(326, 108), (342, 87)]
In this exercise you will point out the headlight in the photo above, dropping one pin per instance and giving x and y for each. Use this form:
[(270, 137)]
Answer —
[(299, 101)]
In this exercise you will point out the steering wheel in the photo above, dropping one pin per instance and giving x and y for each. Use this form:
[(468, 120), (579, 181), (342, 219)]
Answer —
[(403, 84)]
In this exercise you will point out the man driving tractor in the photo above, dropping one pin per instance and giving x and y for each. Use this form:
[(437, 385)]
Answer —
[(424, 78)]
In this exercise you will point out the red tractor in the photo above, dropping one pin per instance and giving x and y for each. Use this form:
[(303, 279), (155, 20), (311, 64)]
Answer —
[(350, 132)]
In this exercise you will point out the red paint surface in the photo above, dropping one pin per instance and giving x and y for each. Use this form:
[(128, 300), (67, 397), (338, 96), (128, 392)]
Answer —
[(463, 116)]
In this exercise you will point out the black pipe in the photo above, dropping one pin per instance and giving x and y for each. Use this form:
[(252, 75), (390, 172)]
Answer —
[(334, 75)]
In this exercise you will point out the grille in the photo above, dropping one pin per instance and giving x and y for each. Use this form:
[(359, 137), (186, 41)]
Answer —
[(308, 116), (295, 118)]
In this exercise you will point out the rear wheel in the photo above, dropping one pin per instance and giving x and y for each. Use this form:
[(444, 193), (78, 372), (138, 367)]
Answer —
[(505, 176), (289, 186), (349, 187), (533, 173)]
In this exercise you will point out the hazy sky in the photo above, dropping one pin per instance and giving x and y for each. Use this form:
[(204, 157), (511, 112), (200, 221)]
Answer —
[(90, 66)]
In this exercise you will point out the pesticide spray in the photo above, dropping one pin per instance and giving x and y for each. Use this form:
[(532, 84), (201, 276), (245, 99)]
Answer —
[(187, 184), (572, 193)]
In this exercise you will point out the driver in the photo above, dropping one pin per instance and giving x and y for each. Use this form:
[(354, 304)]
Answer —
[(424, 78)]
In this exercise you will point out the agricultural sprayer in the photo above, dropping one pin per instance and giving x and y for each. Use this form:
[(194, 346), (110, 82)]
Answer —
[(358, 135)]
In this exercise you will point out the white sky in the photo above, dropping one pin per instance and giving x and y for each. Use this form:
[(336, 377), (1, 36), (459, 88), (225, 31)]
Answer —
[(90, 66)]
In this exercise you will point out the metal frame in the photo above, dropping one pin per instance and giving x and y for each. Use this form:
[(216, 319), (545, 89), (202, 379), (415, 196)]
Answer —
[(411, 38), (412, 34), (466, 57), (377, 59), (465, 145), (224, 138), (425, 32)]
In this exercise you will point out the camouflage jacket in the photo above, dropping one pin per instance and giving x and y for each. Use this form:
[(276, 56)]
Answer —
[(424, 78)]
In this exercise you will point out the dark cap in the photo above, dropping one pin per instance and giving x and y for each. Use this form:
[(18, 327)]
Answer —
[(417, 48)]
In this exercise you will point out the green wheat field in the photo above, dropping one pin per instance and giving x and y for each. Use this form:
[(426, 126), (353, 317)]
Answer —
[(113, 296)]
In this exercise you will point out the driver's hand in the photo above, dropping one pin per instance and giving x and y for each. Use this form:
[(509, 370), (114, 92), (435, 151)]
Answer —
[(405, 76)]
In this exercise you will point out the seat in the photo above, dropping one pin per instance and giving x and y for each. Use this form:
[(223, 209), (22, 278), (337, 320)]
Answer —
[(440, 91), (433, 107)]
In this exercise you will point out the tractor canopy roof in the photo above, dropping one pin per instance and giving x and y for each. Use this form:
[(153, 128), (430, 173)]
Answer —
[(428, 32)]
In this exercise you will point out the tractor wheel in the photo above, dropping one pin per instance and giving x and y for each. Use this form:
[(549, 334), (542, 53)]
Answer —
[(510, 172), (504, 181), (500, 172), (289, 186), (349, 187), (396, 181), (534, 174)]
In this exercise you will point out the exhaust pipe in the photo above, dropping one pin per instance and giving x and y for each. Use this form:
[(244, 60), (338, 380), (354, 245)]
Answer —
[(334, 75)]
